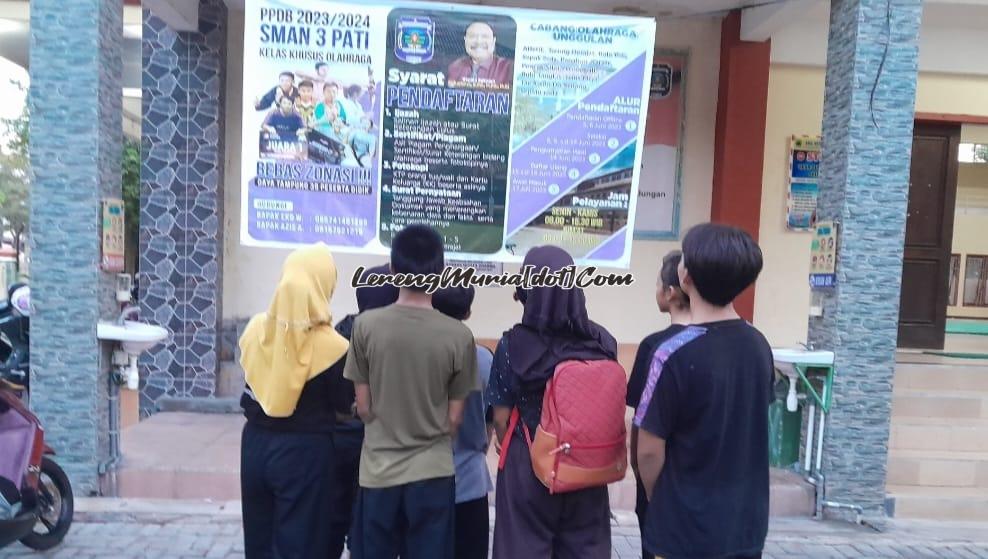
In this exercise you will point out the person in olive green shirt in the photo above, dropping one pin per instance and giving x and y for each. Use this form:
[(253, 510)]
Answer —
[(412, 368)]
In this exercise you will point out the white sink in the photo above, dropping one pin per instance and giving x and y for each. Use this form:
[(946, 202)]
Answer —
[(787, 358), (134, 337), (800, 356)]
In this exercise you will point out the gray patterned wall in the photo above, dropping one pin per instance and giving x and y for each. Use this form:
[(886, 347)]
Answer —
[(181, 201), (76, 139), (865, 185)]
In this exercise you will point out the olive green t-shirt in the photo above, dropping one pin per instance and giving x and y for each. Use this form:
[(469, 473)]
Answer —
[(415, 360)]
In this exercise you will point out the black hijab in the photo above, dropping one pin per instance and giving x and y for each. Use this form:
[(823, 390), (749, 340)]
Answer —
[(555, 326)]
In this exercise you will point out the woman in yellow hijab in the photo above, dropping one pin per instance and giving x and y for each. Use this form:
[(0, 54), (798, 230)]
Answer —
[(287, 443)]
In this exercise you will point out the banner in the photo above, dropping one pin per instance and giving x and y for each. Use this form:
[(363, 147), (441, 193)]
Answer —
[(823, 255), (803, 182), (502, 128), (658, 197)]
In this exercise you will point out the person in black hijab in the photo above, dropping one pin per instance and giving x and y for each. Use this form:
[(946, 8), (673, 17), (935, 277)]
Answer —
[(555, 327), (349, 433)]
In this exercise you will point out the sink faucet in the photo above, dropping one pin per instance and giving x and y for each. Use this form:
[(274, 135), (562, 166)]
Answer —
[(807, 346), (127, 311)]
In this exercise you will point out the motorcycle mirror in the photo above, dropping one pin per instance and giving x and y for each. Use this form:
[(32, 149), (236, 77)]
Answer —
[(20, 299)]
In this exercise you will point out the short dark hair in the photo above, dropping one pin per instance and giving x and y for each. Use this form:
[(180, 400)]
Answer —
[(377, 296), (288, 74), (417, 249), (352, 91), (722, 261), (305, 83), (669, 273), (320, 65), (454, 302)]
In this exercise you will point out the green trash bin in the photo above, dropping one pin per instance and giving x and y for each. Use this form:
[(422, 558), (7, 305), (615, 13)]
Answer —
[(784, 429)]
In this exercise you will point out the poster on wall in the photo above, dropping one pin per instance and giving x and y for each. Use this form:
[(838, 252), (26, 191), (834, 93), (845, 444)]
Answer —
[(502, 128), (803, 182), (658, 197), (823, 255), (112, 247)]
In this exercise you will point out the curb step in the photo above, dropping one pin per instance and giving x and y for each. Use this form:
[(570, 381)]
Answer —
[(200, 405)]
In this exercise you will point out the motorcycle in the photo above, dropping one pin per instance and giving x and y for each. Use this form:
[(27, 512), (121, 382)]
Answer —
[(36, 504)]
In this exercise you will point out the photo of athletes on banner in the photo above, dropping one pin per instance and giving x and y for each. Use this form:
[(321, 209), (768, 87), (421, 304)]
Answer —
[(315, 115)]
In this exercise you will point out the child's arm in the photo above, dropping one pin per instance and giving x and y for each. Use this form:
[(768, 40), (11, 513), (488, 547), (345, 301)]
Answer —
[(501, 417), (455, 416), (464, 380), (488, 422), (357, 371), (651, 459), (266, 125), (265, 101), (363, 397), (634, 451)]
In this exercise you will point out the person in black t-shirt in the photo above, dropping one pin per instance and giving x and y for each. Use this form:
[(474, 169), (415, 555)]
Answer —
[(672, 300), (703, 414)]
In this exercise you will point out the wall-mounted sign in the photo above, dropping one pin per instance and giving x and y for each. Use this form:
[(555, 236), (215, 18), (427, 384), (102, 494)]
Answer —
[(823, 255), (113, 235), (803, 182), (502, 128), (657, 215)]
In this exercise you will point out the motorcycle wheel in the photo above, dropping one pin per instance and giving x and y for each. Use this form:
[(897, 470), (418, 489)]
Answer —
[(56, 508)]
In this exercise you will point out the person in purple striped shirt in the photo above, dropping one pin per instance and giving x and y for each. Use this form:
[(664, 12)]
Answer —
[(703, 416)]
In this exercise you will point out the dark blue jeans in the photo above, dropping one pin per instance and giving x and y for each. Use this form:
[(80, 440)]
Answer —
[(348, 441), (415, 519)]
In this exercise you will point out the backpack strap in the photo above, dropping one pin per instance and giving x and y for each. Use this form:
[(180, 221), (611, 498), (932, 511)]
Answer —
[(512, 425), (659, 358)]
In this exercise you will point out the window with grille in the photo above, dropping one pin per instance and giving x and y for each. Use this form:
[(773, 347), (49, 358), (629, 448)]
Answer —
[(976, 281)]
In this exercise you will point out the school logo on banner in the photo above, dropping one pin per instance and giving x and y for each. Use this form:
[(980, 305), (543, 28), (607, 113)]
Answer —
[(414, 40)]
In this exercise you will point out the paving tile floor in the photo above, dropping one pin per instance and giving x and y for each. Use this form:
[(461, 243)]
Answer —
[(133, 529)]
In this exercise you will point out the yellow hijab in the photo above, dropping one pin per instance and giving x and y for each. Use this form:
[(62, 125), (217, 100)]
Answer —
[(294, 341)]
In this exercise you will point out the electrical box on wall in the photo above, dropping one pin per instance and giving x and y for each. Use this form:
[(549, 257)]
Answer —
[(816, 303), (125, 285), (112, 246)]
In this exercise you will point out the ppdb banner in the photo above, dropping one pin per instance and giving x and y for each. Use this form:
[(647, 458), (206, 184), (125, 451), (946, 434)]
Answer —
[(504, 129)]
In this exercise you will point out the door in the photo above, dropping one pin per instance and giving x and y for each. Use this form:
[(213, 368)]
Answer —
[(929, 233)]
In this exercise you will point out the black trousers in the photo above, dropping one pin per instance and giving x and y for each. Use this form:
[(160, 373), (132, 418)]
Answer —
[(345, 485), (415, 520), (641, 507), (285, 485), (472, 529)]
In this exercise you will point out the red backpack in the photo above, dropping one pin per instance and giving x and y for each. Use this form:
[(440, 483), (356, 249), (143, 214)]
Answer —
[(581, 439)]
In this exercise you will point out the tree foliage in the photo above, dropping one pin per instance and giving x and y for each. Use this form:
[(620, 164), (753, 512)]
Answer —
[(131, 187), (15, 181)]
